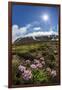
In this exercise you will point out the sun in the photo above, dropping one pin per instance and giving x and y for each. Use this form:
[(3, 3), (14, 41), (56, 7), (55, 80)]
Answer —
[(45, 17)]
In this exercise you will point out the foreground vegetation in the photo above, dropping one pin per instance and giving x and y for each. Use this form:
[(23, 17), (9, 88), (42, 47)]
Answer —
[(35, 63)]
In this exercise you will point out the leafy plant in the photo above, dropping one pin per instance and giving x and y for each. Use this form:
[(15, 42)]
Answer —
[(39, 76)]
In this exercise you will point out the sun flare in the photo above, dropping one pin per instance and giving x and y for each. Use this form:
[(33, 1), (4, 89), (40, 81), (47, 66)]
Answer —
[(45, 17)]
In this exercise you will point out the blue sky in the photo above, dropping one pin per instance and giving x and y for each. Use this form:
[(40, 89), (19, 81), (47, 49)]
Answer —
[(28, 21)]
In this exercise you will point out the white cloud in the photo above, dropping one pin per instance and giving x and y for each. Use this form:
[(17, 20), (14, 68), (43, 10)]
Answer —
[(28, 26), (41, 33), (19, 32), (22, 32), (36, 28)]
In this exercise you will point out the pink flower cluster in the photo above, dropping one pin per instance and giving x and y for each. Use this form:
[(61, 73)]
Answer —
[(37, 64), (42, 58), (28, 61), (33, 66), (22, 68), (53, 72), (26, 74)]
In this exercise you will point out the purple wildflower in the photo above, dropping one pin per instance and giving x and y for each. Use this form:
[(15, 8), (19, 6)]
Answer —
[(21, 68), (39, 65), (42, 58), (27, 75), (33, 66)]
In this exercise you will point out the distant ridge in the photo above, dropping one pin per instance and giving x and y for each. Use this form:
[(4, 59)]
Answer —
[(26, 40)]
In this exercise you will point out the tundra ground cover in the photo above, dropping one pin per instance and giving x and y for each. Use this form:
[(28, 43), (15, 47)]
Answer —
[(35, 63)]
